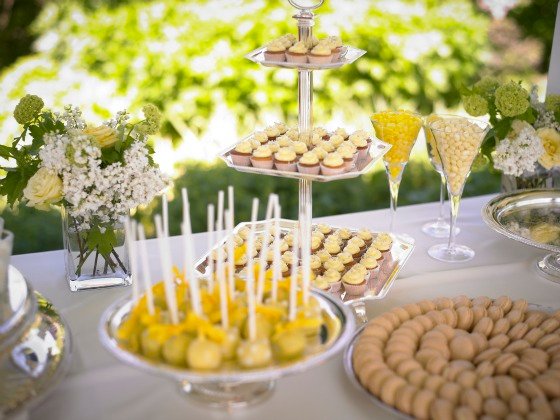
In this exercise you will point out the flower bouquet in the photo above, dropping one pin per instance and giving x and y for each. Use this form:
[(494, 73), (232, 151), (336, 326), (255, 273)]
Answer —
[(525, 138), (97, 174)]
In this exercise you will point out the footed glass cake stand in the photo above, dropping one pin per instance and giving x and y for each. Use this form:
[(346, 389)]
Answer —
[(232, 387)]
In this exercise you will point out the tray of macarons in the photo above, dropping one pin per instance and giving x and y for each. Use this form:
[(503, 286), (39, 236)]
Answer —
[(319, 155), (352, 264), (313, 54)]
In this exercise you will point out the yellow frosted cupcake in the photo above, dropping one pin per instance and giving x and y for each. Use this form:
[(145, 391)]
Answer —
[(297, 53), (354, 282), (320, 54), (275, 51), (333, 277), (332, 164), (309, 164), (241, 155), (262, 157), (285, 159)]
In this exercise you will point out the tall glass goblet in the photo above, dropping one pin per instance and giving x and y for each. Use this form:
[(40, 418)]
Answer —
[(400, 129), (438, 228), (458, 140)]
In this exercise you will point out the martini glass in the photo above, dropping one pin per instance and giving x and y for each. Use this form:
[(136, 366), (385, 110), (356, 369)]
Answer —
[(438, 228), (458, 140), (400, 129)]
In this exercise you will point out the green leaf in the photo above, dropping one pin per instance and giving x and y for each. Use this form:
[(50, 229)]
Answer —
[(503, 127), (465, 91), (529, 115), (104, 241), (110, 155), (14, 183), (5, 152)]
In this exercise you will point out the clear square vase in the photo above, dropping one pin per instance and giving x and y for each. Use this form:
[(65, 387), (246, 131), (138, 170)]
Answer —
[(95, 255)]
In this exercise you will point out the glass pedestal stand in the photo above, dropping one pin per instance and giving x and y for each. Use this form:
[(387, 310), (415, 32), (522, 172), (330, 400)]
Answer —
[(549, 267), (229, 395)]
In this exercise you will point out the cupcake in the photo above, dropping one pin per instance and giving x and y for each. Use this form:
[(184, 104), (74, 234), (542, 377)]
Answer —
[(365, 235), (299, 147), (309, 164), (344, 234), (315, 263), (320, 153), (336, 140), (275, 51), (353, 250), (321, 283), (289, 239), (284, 246), (282, 128), (341, 132), (311, 42), (241, 155), (354, 282), (272, 132), (261, 137), (244, 232), (316, 243), (324, 228), (369, 262), (327, 146), (322, 132), (284, 141), (274, 146), (262, 158), (292, 134), (297, 53), (285, 269), (238, 240), (361, 144), (317, 232), (323, 255), (332, 164), (320, 54), (285, 159), (334, 237), (316, 139), (383, 242), (333, 277), (348, 156), (287, 257), (372, 251), (333, 247), (356, 240), (334, 263), (347, 259), (336, 47)]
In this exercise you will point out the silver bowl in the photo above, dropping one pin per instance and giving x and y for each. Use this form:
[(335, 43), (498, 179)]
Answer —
[(519, 214), (233, 388), (35, 347)]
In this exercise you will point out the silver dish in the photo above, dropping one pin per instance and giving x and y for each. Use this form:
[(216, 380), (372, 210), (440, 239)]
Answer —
[(35, 347), (376, 151), (388, 271), (349, 369), (231, 388), (347, 56), (531, 217)]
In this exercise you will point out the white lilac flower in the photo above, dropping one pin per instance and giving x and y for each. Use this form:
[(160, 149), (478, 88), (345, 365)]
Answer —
[(514, 156)]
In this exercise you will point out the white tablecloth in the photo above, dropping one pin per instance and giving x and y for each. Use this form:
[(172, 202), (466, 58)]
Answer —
[(99, 387)]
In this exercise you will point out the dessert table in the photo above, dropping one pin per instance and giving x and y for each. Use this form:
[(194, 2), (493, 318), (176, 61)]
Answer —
[(99, 387)]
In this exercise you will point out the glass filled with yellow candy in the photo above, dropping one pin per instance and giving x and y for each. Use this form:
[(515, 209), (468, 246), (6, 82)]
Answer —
[(400, 129)]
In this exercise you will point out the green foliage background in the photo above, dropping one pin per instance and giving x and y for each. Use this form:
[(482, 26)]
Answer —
[(188, 58)]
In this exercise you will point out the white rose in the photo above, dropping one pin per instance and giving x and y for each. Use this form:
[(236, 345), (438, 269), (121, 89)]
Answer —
[(44, 188), (103, 135)]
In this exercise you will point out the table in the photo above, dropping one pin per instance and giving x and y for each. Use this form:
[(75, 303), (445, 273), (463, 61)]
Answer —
[(99, 387)]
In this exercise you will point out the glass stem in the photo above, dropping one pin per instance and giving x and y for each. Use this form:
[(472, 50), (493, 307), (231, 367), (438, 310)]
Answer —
[(394, 190), (442, 191), (454, 201)]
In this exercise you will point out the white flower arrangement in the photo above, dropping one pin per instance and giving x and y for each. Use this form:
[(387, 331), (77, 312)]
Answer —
[(514, 156), (97, 173)]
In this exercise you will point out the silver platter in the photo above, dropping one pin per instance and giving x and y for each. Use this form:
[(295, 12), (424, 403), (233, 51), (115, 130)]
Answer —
[(388, 271), (526, 216), (349, 369), (376, 151), (348, 55)]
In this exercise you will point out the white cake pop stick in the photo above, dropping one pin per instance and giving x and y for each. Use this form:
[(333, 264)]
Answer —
[(220, 217), (230, 253), (165, 213), (272, 198), (293, 279), (231, 204), (276, 257), (210, 221), (188, 263), (146, 277), (167, 269), (250, 283)]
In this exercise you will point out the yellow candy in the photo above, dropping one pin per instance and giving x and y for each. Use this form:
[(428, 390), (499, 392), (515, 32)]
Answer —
[(399, 129)]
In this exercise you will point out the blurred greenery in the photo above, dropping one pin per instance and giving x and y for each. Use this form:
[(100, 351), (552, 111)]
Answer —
[(188, 57), (420, 184)]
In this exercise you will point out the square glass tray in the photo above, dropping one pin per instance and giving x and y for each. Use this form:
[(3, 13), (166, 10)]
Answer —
[(376, 151), (348, 55), (388, 270)]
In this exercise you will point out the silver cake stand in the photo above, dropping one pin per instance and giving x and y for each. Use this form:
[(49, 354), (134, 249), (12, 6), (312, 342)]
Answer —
[(35, 346), (531, 217)]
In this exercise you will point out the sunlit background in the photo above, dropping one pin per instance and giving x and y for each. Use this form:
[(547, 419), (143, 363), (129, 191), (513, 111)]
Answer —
[(188, 58)]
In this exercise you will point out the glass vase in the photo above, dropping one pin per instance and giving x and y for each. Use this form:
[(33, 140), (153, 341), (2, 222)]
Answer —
[(95, 253), (540, 178)]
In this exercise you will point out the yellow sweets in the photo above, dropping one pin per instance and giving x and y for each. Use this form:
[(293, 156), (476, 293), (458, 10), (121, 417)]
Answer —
[(400, 129)]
